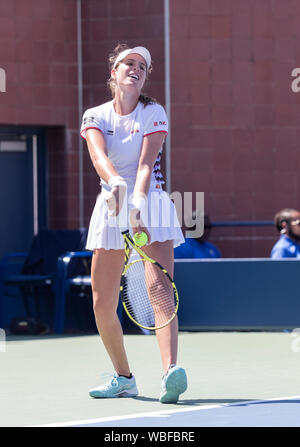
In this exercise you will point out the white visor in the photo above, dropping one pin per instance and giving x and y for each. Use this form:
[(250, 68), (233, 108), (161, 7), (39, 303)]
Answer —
[(142, 51)]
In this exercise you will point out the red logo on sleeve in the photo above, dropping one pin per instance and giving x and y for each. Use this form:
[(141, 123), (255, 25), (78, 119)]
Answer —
[(155, 123)]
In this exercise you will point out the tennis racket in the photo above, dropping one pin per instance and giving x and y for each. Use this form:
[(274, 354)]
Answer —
[(148, 293)]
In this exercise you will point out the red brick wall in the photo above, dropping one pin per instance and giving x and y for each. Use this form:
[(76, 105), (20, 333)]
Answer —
[(105, 24), (38, 50), (235, 120)]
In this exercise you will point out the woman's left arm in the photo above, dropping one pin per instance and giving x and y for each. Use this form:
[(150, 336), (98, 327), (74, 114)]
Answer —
[(150, 150)]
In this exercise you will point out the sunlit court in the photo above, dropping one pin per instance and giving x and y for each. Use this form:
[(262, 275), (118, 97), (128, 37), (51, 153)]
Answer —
[(150, 216), (235, 379)]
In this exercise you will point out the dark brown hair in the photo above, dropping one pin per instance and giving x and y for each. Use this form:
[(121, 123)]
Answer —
[(284, 215), (145, 99)]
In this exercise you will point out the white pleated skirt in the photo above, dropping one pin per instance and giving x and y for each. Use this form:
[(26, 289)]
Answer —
[(159, 217)]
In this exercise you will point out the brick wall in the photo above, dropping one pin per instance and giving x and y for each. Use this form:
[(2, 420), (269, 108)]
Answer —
[(134, 22), (38, 50), (235, 120)]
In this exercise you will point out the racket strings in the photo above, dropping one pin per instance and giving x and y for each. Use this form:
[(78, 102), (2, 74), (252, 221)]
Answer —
[(148, 294)]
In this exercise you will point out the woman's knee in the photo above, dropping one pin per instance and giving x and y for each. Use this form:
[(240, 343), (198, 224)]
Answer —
[(104, 305)]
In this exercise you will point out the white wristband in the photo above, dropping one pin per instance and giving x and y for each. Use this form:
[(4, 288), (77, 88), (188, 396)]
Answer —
[(117, 181), (138, 203)]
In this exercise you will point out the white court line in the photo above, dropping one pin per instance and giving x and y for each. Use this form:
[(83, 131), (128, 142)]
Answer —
[(159, 414)]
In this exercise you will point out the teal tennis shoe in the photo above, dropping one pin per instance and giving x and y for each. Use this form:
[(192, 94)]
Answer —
[(118, 386), (173, 384)]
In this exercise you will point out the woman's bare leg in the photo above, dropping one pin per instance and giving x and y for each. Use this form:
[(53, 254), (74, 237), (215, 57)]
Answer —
[(106, 270), (167, 337)]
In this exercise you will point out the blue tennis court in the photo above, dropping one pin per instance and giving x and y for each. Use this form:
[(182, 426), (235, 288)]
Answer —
[(281, 412), (235, 379)]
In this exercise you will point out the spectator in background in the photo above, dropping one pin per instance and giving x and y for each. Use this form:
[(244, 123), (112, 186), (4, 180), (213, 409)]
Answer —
[(287, 222), (198, 247)]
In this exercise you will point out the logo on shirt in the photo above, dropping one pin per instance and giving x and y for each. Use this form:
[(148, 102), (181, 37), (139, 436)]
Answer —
[(89, 120), (160, 123), (135, 131), (109, 132)]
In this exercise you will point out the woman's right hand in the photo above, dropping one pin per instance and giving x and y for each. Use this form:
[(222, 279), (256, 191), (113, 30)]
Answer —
[(115, 200)]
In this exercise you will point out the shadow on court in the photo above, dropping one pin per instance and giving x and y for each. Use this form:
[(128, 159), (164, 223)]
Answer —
[(195, 402), (270, 402)]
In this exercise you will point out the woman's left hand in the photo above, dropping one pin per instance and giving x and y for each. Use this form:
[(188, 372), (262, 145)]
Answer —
[(137, 224)]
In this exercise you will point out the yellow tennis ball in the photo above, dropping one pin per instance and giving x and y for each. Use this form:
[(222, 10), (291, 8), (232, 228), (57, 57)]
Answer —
[(140, 239)]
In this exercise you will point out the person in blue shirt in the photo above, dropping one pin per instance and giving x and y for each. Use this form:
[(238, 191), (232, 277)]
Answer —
[(287, 222), (198, 247)]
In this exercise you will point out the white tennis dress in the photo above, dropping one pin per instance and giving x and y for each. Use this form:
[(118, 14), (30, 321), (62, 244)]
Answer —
[(124, 138)]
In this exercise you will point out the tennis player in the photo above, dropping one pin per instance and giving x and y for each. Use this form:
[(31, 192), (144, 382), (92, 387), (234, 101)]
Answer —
[(125, 138)]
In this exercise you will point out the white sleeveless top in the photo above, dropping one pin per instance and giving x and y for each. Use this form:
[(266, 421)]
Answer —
[(124, 135)]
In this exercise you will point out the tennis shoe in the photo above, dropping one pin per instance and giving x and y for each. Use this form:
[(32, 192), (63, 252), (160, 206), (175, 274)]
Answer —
[(118, 386), (173, 384)]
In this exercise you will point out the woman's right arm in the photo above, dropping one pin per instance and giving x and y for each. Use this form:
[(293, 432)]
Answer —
[(106, 170), (98, 153)]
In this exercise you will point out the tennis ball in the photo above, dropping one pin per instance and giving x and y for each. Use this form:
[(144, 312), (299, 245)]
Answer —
[(140, 239)]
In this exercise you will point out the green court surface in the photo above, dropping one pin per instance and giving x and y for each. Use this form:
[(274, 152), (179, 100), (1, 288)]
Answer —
[(45, 380)]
